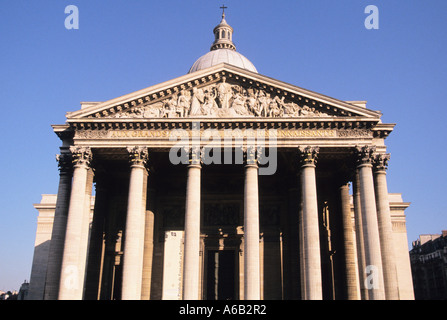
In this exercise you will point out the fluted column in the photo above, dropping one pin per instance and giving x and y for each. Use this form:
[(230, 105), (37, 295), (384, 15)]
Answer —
[(252, 288), (360, 247), (59, 227), (72, 271), (191, 266), (348, 235), (135, 222), (95, 251), (310, 255), (148, 256), (385, 227), (372, 276)]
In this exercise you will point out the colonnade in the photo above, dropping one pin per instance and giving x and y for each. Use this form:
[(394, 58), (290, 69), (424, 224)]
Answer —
[(373, 271)]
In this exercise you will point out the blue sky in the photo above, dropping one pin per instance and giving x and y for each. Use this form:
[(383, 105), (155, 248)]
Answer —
[(124, 46)]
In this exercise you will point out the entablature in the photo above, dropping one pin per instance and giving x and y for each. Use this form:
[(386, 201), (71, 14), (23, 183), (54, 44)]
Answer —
[(364, 127)]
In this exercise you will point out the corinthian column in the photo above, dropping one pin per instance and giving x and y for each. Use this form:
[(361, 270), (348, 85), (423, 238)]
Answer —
[(59, 227), (372, 276), (360, 248), (311, 261), (385, 227), (73, 268), (252, 290), (348, 235), (135, 223), (191, 265)]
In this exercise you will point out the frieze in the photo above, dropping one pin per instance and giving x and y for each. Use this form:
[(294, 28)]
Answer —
[(223, 133), (355, 133)]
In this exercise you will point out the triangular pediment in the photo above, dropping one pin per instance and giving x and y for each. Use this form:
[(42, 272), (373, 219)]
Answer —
[(222, 92)]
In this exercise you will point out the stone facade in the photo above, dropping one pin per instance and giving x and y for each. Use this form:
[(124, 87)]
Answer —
[(253, 174), (429, 264)]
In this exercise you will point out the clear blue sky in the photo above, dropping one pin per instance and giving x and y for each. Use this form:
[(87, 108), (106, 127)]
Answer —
[(124, 46)]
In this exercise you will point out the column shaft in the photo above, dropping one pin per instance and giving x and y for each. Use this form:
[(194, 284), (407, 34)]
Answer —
[(59, 228), (311, 236), (372, 275), (311, 260), (252, 278), (385, 231), (360, 247), (148, 256), (348, 235), (191, 265), (96, 242), (86, 235), (134, 232), (72, 273)]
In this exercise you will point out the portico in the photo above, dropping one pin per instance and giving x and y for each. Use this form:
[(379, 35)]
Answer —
[(295, 217)]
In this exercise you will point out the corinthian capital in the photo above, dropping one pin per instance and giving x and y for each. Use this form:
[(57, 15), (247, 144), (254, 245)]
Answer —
[(252, 154), (64, 162), (364, 154), (138, 155), (195, 154), (81, 155), (308, 155), (380, 161)]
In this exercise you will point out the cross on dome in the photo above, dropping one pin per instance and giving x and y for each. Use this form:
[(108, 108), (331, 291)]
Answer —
[(223, 10)]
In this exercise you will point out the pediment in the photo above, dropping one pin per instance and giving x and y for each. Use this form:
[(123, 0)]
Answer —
[(222, 92)]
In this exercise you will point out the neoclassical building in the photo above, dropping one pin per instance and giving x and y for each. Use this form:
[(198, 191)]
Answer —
[(222, 184)]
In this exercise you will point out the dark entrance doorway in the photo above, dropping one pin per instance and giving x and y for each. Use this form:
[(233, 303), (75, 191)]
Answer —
[(220, 282)]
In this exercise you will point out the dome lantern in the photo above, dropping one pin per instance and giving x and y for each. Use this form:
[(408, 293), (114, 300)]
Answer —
[(223, 35), (222, 50)]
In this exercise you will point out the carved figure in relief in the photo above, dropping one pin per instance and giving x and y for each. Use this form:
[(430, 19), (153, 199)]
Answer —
[(221, 100), (170, 105), (209, 107), (263, 104), (154, 111), (276, 107), (224, 94), (238, 105), (291, 109), (198, 98), (252, 101), (183, 104), (305, 111)]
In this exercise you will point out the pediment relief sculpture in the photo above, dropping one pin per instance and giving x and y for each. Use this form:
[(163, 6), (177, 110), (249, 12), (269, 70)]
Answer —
[(222, 100)]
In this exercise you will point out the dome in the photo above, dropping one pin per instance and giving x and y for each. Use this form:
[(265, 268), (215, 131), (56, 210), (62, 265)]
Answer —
[(215, 57), (222, 50)]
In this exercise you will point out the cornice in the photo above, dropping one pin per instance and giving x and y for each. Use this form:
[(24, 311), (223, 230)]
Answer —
[(223, 123), (383, 130), (63, 131), (399, 205)]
